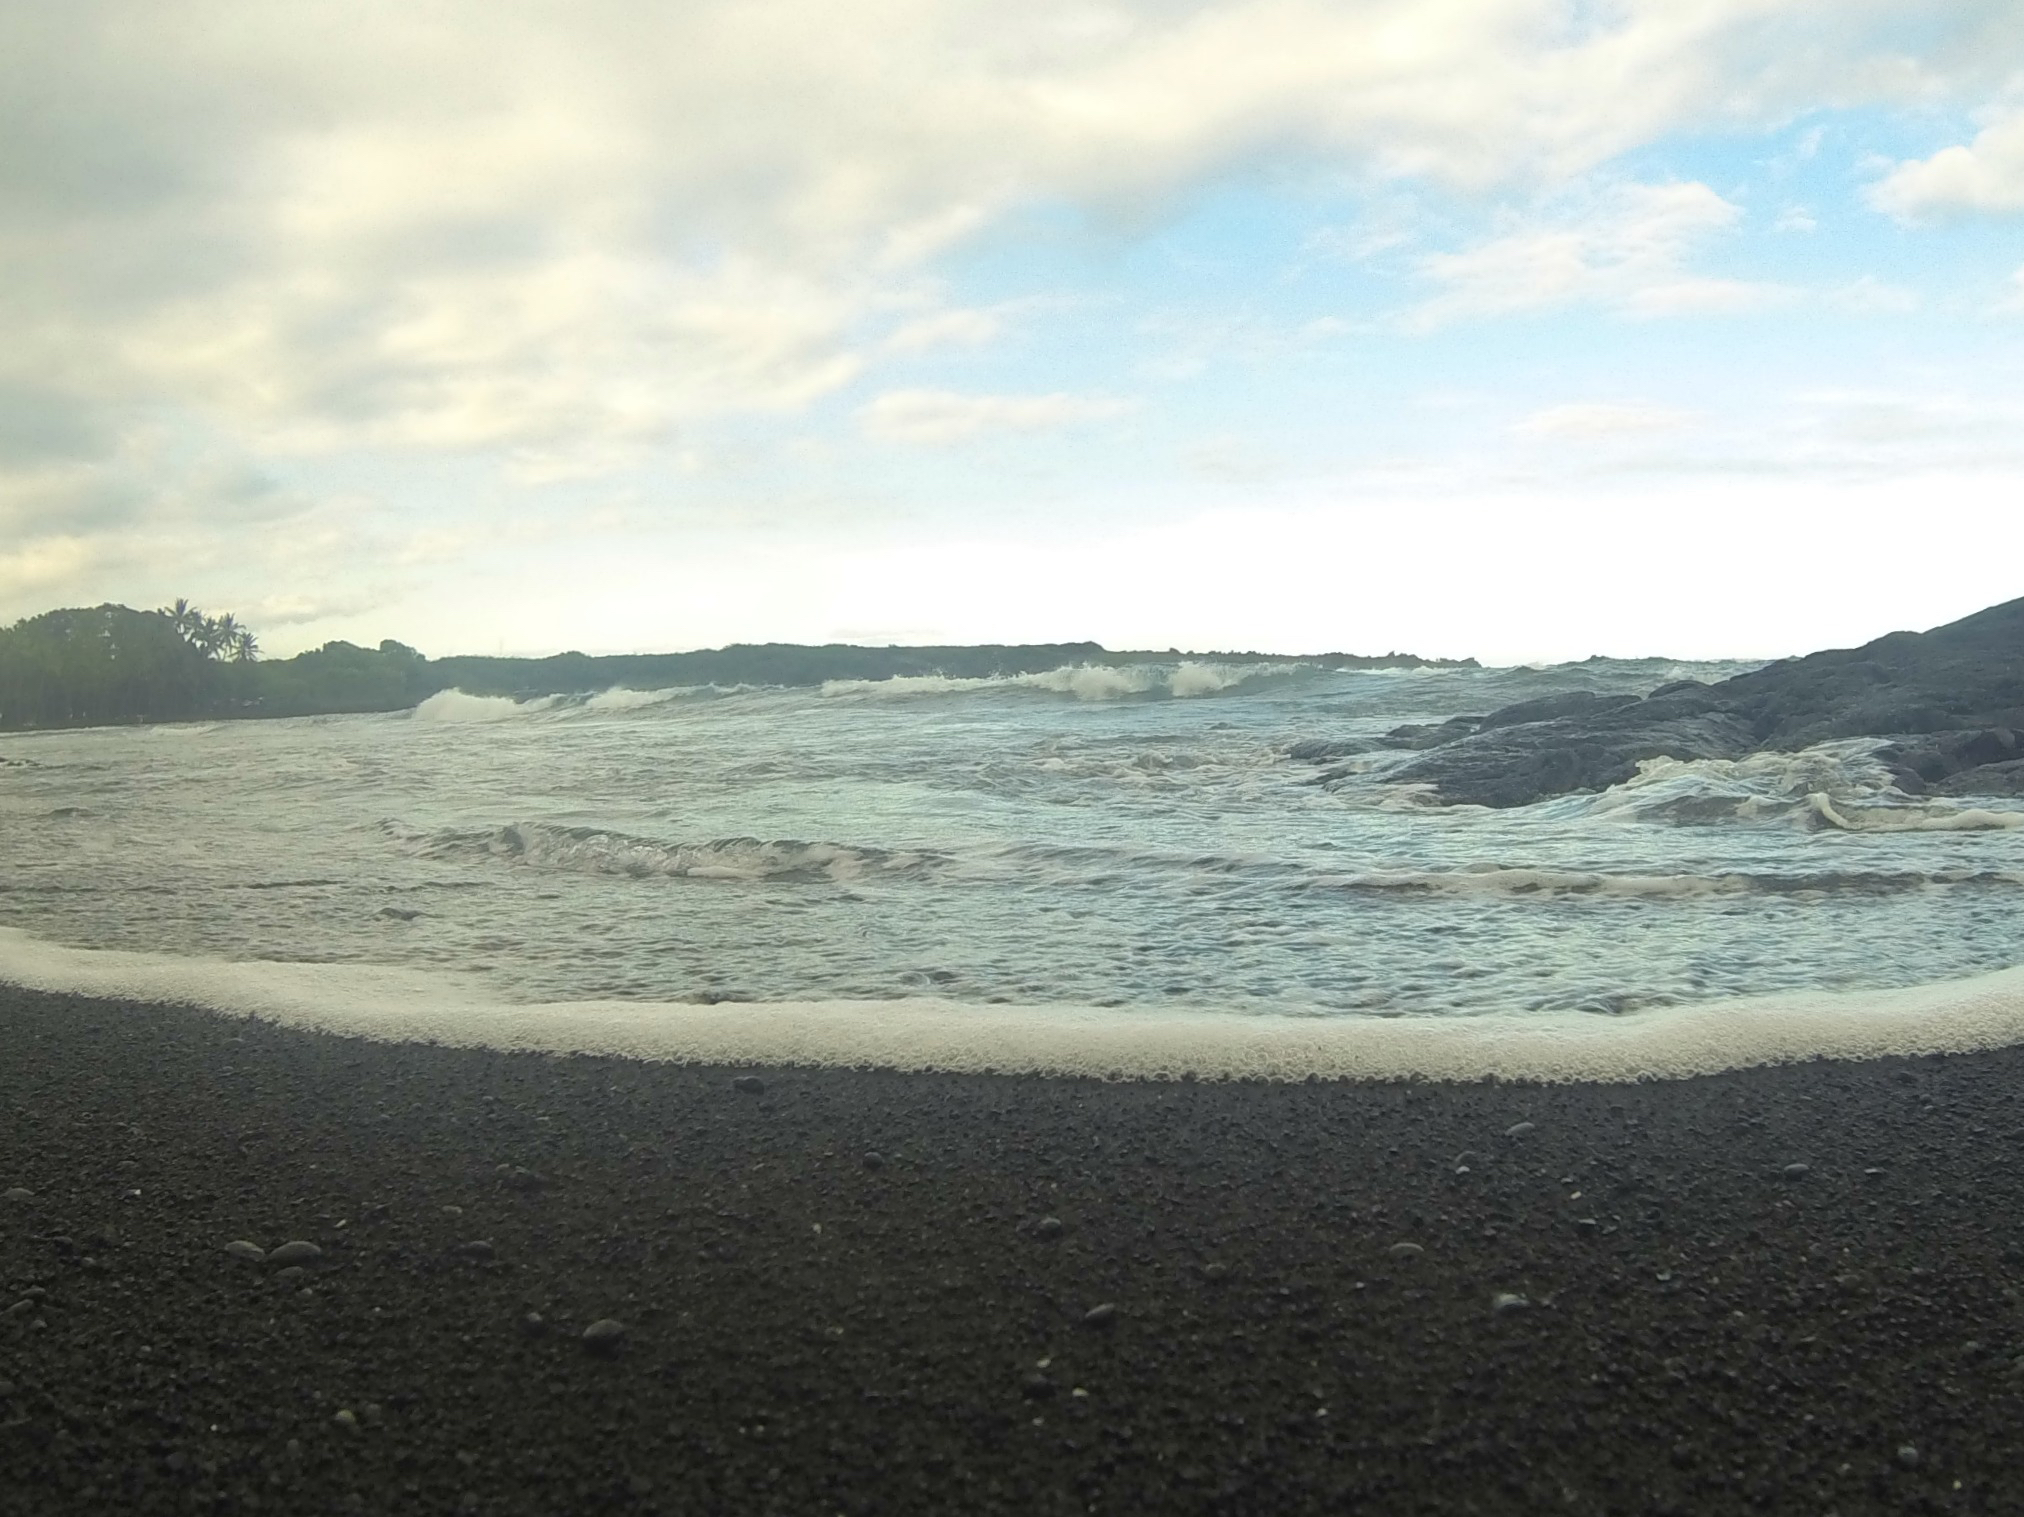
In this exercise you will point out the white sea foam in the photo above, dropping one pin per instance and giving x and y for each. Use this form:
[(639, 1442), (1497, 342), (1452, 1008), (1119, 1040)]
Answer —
[(618, 698), (405, 1005), (454, 706), (1085, 682), (591, 850), (1840, 785)]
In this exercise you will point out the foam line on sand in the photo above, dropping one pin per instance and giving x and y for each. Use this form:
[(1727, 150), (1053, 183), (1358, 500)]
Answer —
[(394, 1004)]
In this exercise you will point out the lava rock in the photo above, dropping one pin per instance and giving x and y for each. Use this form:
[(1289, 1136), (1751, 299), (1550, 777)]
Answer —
[(1101, 1316), (604, 1336), (251, 1253), (298, 1251)]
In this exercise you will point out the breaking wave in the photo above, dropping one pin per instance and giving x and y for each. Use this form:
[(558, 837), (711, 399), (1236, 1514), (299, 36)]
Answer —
[(1841, 786), (455, 707), (1084, 682), (590, 850)]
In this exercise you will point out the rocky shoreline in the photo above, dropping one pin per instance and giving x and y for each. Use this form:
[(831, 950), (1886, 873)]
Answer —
[(1784, 1289), (1946, 706)]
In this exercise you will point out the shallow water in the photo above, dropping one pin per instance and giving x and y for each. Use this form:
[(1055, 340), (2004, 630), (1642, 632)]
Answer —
[(1099, 838)]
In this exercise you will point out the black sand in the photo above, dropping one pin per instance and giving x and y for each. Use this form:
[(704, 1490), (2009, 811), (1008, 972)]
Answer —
[(806, 1333)]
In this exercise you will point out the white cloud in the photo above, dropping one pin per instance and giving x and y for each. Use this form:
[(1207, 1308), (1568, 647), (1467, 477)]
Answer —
[(1796, 218), (446, 228), (959, 328), (1626, 248), (488, 248), (1985, 175), (1601, 422), (942, 416)]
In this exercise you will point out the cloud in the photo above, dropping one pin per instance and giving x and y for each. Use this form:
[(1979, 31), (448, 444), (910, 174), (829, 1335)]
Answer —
[(941, 416), (441, 229), (1625, 248), (960, 328), (1600, 422), (1986, 175), (464, 252)]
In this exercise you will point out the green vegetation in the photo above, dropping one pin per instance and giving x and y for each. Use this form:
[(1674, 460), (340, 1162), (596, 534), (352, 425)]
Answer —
[(80, 668), (110, 664)]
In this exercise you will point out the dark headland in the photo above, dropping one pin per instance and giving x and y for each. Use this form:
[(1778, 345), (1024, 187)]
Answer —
[(1791, 1289), (1947, 707)]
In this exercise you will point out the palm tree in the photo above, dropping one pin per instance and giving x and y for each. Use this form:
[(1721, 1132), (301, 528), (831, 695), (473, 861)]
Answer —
[(184, 617), (245, 647)]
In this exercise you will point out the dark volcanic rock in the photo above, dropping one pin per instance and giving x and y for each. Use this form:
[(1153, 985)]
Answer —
[(1986, 779), (1958, 690)]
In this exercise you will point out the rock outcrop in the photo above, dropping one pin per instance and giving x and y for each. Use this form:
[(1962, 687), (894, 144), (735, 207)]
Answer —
[(1947, 707)]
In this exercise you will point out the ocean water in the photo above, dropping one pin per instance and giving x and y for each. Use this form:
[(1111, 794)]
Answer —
[(1138, 844)]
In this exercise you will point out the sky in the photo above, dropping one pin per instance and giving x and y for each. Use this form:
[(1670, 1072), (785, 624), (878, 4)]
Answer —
[(1515, 329)]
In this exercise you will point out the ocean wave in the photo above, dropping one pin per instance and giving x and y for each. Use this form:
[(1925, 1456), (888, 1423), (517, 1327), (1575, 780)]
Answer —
[(1840, 785), (454, 707), (927, 1033), (1084, 682), (1520, 880), (1063, 863), (591, 850)]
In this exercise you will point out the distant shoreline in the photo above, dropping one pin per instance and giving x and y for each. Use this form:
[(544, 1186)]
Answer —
[(111, 665)]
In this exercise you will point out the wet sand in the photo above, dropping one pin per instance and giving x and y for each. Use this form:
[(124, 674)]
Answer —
[(1686, 1325)]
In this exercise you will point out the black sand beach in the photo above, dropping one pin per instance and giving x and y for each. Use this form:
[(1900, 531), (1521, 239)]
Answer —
[(1689, 1322)]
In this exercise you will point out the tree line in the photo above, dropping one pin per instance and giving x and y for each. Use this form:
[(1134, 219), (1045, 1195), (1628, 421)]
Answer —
[(111, 664)]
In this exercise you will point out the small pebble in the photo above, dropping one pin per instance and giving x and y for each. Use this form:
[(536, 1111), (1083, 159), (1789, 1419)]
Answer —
[(1519, 1129), (1103, 1314), (604, 1336), (295, 1252), (1797, 1171), (534, 1324), (293, 1273), (1908, 1455), (252, 1253), (1047, 1227), (1215, 1272), (750, 1085), (478, 1250), (1507, 1301), (1405, 1250), (17, 1193), (874, 1160), (347, 1419)]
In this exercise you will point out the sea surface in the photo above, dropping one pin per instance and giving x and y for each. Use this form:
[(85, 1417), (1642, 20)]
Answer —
[(1139, 839)]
